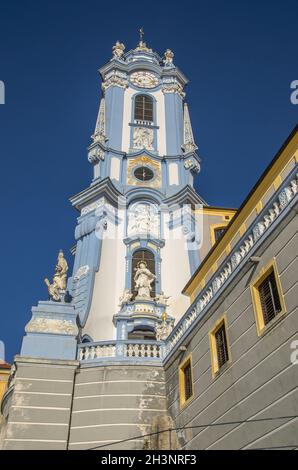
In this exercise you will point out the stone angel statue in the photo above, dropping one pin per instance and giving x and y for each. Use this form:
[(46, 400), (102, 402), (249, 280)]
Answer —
[(125, 297), (118, 50), (162, 298), (58, 286)]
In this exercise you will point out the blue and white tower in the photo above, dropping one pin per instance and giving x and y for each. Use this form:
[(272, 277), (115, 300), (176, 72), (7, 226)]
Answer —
[(137, 237), (91, 367), (144, 161)]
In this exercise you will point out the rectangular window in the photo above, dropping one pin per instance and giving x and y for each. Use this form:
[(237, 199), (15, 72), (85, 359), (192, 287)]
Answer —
[(219, 346), (185, 381), (268, 301), (218, 232), (269, 298)]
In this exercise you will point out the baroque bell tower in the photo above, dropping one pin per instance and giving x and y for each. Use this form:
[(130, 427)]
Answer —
[(130, 232), (138, 234), (90, 371)]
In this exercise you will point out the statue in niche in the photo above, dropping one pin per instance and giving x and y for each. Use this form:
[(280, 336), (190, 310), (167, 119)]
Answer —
[(58, 286), (143, 138), (143, 279), (118, 50)]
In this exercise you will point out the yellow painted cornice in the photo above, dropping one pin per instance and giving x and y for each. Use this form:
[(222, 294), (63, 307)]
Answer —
[(270, 177)]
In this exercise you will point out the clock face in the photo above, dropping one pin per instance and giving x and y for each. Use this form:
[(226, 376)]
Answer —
[(143, 173), (144, 79)]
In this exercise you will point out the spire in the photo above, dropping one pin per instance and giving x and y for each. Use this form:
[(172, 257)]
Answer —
[(99, 132), (141, 32), (188, 139), (142, 45)]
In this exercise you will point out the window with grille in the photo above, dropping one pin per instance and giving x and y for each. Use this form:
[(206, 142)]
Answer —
[(149, 259), (221, 346), (269, 298), (143, 108), (218, 232), (186, 386)]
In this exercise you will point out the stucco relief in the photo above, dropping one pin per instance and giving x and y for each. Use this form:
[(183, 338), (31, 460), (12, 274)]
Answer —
[(51, 325), (82, 271), (143, 219), (143, 138)]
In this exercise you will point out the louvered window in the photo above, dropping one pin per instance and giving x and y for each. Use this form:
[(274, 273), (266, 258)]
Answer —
[(221, 346), (143, 108), (187, 381), (269, 298)]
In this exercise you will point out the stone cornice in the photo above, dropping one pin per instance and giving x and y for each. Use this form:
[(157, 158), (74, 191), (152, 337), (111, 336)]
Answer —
[(187, 195), (288, 152), (103, 188), (272, 214)]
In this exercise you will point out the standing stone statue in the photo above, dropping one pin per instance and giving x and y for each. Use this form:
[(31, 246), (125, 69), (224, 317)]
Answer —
[(118, 50), (58, 286), (143, 279)]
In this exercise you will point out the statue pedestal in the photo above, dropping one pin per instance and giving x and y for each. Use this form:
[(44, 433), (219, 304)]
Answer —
[(52, 331), (139, 313)]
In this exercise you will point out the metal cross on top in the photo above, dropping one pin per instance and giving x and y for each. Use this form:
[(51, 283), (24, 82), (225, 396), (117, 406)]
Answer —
[(141, 32)]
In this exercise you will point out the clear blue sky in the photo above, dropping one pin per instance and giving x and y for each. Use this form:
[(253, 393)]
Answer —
[(240, 57)]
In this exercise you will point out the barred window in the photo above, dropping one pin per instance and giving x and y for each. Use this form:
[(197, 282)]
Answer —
[(221, 346), (186, 382), (143, 108), (269, 298)]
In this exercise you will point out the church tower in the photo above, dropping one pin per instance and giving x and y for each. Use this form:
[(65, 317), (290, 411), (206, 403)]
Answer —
[(165, 317), (90, 369), (144, 161)]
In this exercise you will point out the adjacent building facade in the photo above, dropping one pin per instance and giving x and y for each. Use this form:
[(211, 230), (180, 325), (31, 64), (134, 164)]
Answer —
[(178, 315)]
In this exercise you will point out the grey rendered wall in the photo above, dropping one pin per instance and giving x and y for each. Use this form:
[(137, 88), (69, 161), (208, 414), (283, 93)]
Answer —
[(116, 402), (39, 413), (261, 381)]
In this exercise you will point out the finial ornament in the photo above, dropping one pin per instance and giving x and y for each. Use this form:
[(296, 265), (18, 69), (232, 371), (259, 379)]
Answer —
[(99, 132), (58, 286), (142, 45), (163, 329), (118, 50), (189, 144), (169, 55), (141, 32)]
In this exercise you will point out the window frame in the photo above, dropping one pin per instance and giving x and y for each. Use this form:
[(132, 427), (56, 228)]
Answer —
[(186, 362), (214, 227), (144, 96), (271, 267), (215, 368)]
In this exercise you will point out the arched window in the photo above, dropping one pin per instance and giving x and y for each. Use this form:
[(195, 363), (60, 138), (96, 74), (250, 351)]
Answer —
[(148, 258), (142, 333), (143, 108)]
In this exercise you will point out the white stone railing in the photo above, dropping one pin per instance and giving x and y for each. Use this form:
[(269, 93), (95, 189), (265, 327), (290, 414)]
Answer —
[(258, 230), (120, 350), (143, 350), (89, 351), (157, 351)]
